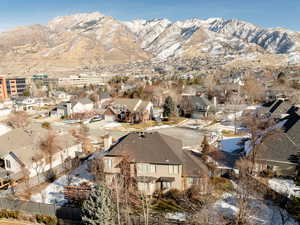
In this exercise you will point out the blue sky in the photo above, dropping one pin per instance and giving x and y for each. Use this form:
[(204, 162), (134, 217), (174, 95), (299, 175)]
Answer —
[(266, 13)]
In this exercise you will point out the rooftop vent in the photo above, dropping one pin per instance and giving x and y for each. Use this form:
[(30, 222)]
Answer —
[(141, 134)]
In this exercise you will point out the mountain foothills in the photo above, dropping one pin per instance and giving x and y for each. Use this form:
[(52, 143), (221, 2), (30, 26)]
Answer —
[(92, 40)]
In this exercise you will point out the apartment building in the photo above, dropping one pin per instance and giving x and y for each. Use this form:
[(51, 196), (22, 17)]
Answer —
[(82, 80), (10, 87), (3, 90)]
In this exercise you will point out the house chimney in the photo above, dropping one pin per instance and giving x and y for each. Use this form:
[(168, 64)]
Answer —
[(107, 142)]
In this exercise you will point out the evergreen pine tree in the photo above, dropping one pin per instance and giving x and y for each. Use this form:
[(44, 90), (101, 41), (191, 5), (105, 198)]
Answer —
[(99, 208), (168, 106)]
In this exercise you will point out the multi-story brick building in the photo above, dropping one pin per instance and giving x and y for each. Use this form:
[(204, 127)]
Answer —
[(3, 90), (12, 87)]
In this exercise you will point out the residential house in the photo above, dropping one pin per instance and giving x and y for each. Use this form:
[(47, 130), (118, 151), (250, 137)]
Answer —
[(193, 90), (25, 103), (6, 108), (130, 110), (157, 162), (157, 114), (61, 96), (237, 78), (277, 109), (110, 114), (20, 151), (128, 88), (104, 98), (66, 109), (82, 105), (279, 152), (196, 106), (62, 110)]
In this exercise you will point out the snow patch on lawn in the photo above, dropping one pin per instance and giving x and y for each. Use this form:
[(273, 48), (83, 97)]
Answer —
[(261, 212), (111, 125), (284, 186), (230, 144), (4, 129), (159, 127), (53, 193), (176, 216)]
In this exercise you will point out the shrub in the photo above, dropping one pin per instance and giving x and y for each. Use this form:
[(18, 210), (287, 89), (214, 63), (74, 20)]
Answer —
[(9, 214), (50, 176), (166, 205), (46, 125), (173, 194), (222, 184), (27, 217), (48, 220)]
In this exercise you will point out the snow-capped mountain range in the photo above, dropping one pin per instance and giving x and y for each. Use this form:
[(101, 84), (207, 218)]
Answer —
[(95, 39), (215, 35)]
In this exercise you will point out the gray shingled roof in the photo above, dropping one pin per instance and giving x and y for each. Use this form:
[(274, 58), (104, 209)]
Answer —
[(284, 146), (277, 148), (278, 108), (151, 148), (24, 142), (104, 95), (201, 100), (161, 149), (85, 101), (130, 104)]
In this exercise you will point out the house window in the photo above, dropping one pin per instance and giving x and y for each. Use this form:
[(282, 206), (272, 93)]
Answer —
[(144, 186), (166, 185), (152, 168), (173, 169), (192, 180), (8, 165), (146, 168), (108, 163)]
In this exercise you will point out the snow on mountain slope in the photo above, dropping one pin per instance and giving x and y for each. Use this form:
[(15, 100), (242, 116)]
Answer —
[(275, 41), (148, 31), (88, 40), (164, 38)]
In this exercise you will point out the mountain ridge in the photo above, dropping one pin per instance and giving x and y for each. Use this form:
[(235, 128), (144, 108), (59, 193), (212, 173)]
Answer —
[(93, 39)]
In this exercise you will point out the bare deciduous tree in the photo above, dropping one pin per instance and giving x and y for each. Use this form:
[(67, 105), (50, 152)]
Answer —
[(235, 101), (50, 145), (18, 120), (82, 135), (260, 128), (254, 90)]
